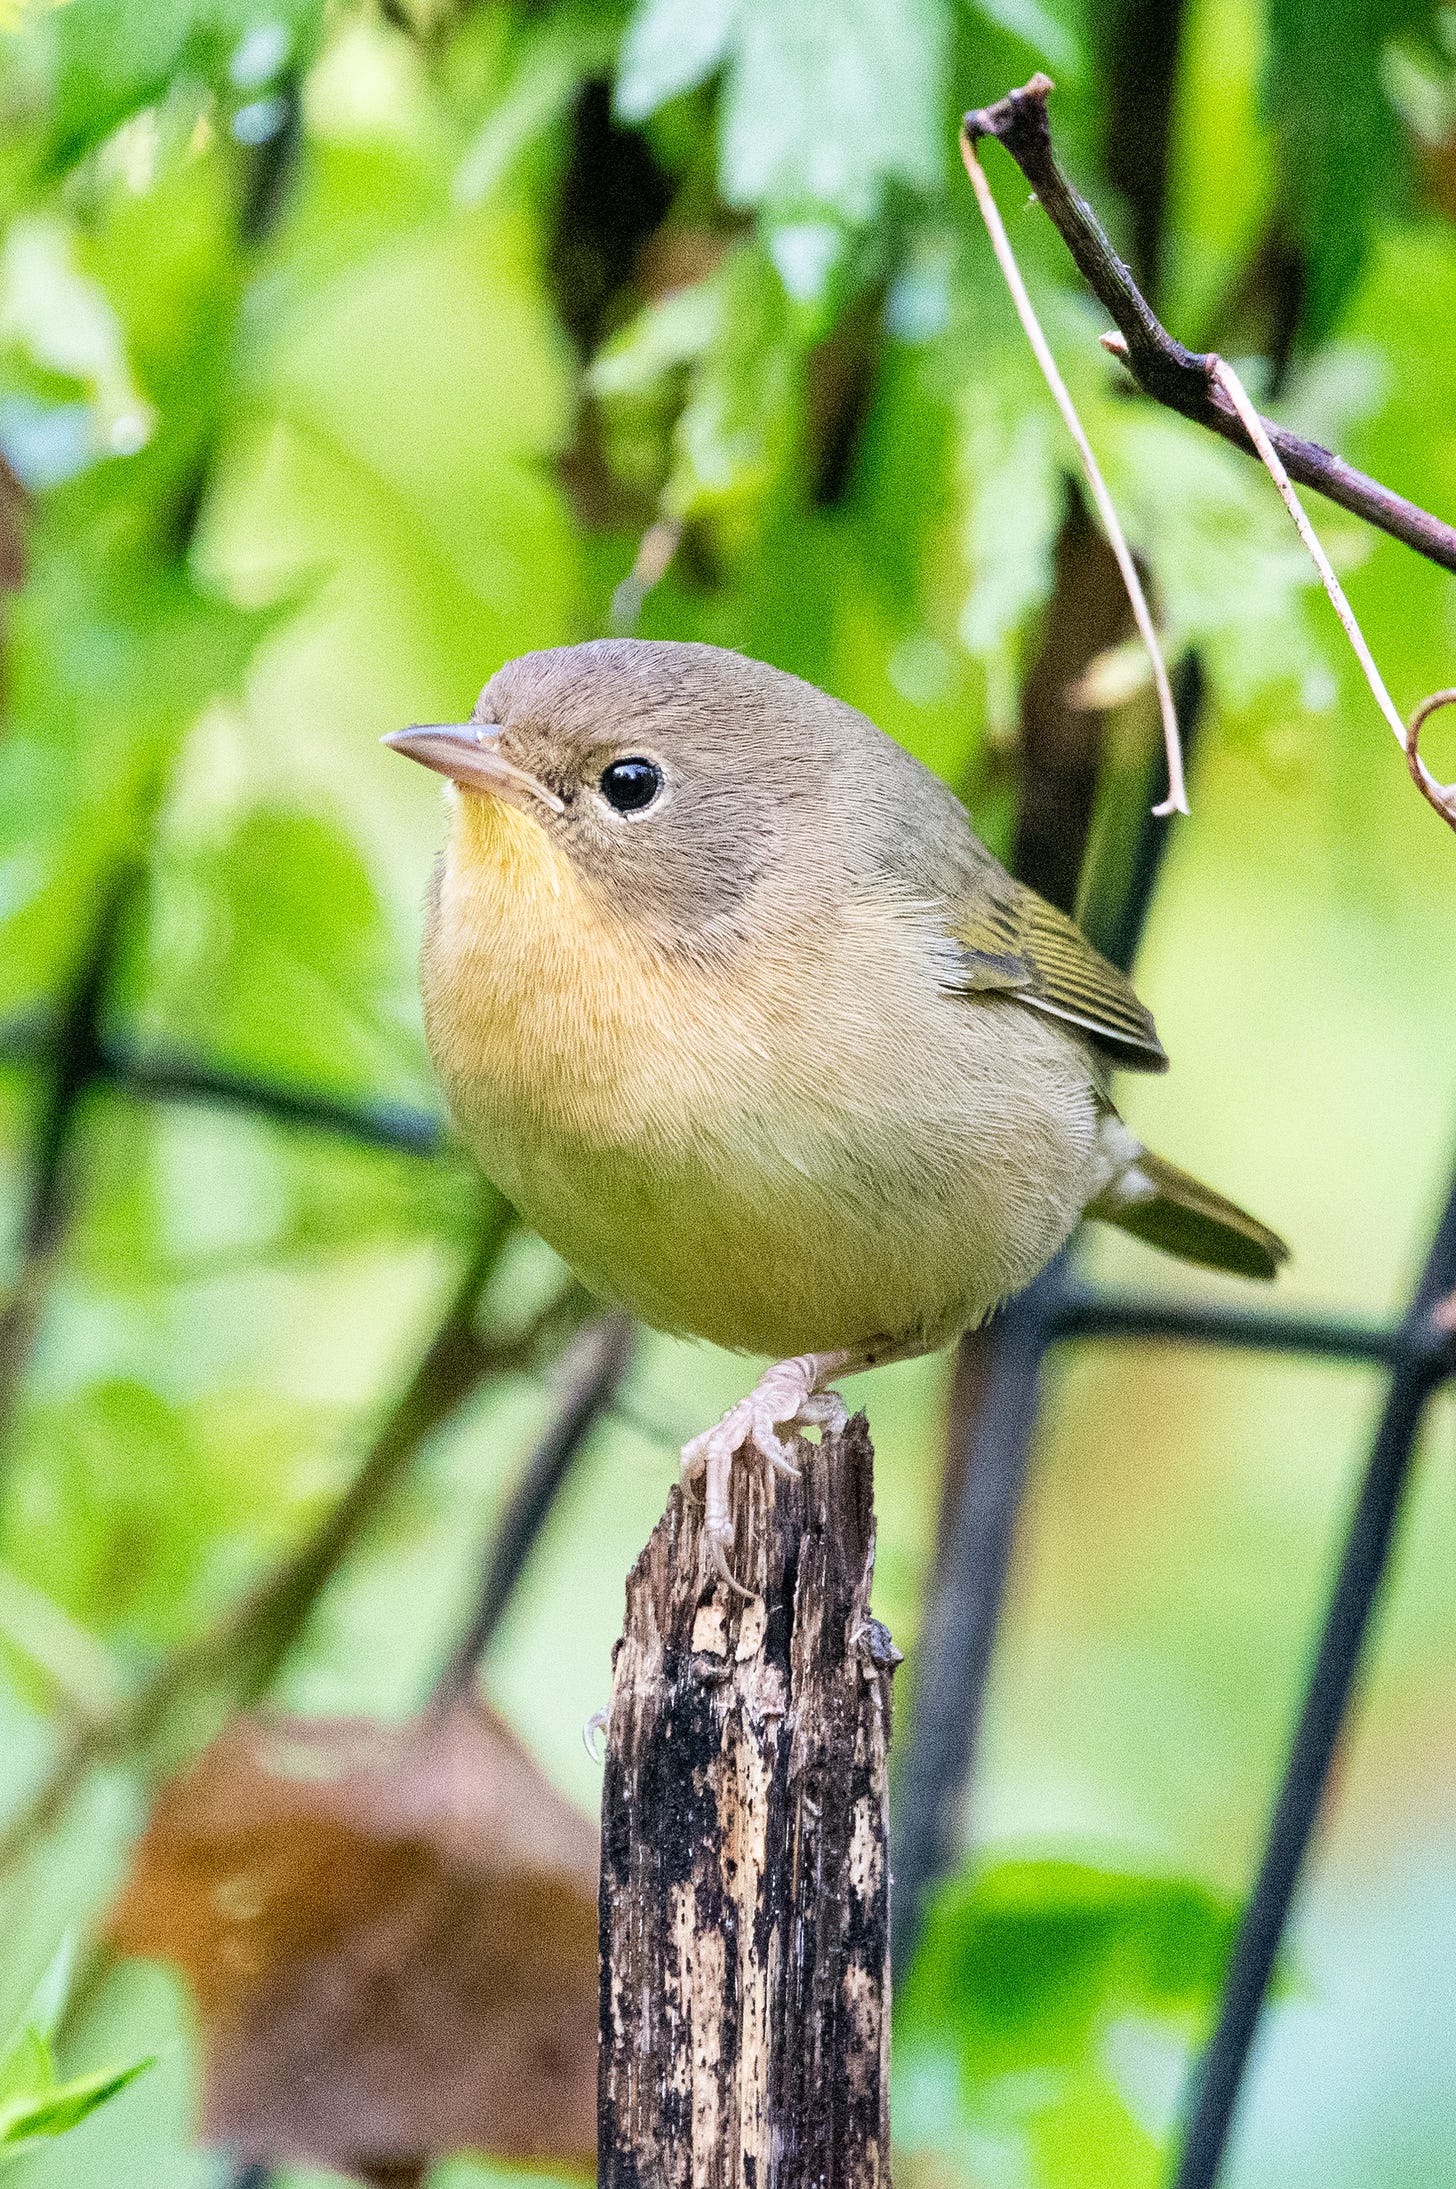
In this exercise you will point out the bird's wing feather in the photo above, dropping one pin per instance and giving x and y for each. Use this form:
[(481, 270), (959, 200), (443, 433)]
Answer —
[(1014, 943)]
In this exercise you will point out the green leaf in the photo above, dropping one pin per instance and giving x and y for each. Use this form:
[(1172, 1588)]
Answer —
[(27, 2067), (122, 1547), (1341, 149), (670, 46), (545, 76), (737, 427), (701, 393), (108, 666), (114, 57), (1029, 1962), (825, 102), (47, 2113), (1040, 28), (34, 2104), (270, 952), (1042, 1993)]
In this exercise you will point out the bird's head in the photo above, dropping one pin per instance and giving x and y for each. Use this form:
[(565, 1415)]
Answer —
[(670, 781)]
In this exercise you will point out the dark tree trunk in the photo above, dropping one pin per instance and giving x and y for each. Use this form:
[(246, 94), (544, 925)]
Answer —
[(745, 1877)]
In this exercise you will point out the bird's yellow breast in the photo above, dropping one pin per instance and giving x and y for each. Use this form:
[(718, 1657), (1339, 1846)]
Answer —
[(799, 1143), (547, 1011)]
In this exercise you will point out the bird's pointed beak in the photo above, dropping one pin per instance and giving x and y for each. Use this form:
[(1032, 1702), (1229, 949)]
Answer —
[(469, 754)]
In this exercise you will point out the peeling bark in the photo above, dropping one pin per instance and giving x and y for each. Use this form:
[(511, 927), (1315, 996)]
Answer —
[(745, 1984)]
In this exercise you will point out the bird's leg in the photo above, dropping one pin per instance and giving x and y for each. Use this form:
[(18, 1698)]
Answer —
[(789, 1396)]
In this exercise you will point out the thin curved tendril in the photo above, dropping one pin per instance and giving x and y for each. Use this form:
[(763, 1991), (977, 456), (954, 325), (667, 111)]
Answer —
[(1177, 798), (1444, 798), (1440, 795)]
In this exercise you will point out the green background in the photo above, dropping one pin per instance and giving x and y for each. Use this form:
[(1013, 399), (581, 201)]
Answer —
[(315, 434)]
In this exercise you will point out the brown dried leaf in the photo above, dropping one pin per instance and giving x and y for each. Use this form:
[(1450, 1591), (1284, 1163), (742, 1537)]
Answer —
[(391, 1933)]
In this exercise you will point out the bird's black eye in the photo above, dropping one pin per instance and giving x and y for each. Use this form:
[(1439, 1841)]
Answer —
[(629, 785)]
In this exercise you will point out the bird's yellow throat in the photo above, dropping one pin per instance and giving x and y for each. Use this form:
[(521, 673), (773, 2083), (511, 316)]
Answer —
[(496, 843), (536, 990)]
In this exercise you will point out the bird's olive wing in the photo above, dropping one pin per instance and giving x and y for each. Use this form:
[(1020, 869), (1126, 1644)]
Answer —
[(1014, 943)]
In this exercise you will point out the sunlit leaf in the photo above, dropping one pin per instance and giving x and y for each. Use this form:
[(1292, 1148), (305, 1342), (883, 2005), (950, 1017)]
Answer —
[(824, 105), (1042, 1981), (43, 2114), (35, 2104), (273, 954), (670, 46), (113, 57)]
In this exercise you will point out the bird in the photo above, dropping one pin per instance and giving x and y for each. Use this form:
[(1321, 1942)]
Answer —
[(734, 1007)]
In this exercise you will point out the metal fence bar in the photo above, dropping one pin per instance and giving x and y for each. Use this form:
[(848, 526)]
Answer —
[(593, 1370), (953, 1655), (1428, 1359), (1085, 1312)]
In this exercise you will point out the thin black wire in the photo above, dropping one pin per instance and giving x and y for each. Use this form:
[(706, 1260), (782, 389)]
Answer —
[(1427, 1360), (395, 1126), (73, 1056), (1082, 1311)]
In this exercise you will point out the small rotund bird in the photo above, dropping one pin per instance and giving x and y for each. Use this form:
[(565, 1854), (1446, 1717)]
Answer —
[(734, 1007)]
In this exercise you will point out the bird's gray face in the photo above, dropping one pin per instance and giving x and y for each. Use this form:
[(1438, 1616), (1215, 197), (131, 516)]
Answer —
[(663, 773)]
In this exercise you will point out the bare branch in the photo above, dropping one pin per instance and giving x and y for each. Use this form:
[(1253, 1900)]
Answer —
[(1163, 368), (591, 1373), (72, 1055)]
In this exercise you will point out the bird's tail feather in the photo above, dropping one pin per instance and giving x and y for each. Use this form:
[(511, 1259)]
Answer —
[(1168, 1209)]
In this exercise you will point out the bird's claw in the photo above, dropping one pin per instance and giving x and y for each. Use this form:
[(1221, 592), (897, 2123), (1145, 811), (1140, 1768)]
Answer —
[(595, 1724), (783, 1398), (718, 1558)]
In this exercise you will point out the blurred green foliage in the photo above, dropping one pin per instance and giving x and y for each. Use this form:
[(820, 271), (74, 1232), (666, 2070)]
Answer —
[(1037, 1982), (36, 2106), (346, 350)]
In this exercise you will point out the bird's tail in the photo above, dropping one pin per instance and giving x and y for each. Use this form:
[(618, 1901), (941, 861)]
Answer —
[(1166, 1208)]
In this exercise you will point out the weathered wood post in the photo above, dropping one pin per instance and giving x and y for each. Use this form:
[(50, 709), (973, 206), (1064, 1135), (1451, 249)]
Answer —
[(745, 1888)]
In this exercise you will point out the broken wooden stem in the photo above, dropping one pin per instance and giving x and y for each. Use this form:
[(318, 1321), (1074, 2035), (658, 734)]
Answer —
[(745, 1892)]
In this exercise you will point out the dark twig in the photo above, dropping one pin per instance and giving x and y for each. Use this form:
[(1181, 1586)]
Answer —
[(1162, 367), (389, 1125), (1441, 795), (1426, 1361), (159, 1076), (592, 1373), (72, 1051), (1143, 45)]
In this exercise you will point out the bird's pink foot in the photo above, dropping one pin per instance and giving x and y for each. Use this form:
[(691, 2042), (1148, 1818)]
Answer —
[(785, 1398)]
